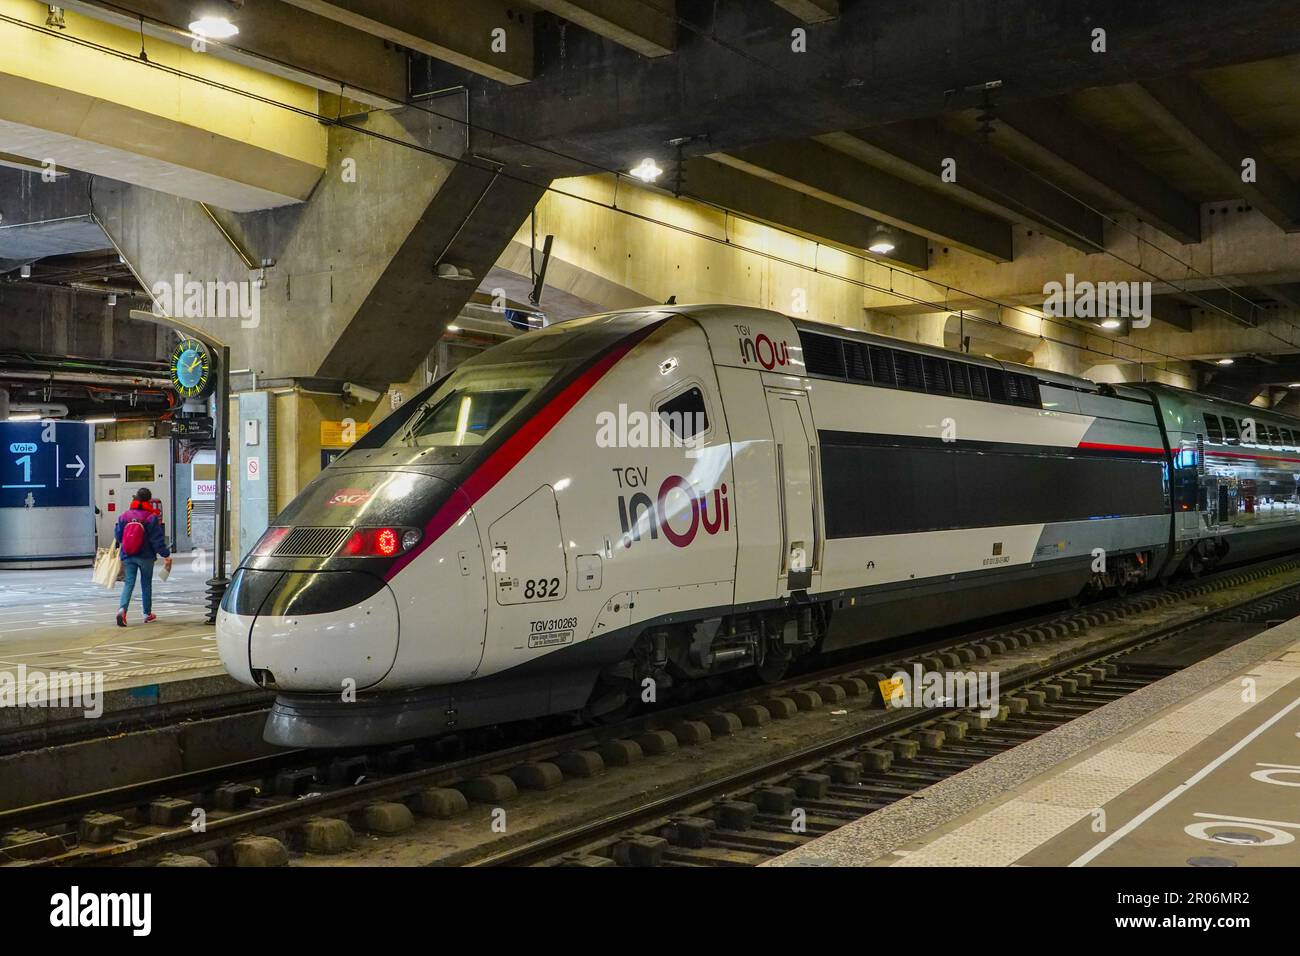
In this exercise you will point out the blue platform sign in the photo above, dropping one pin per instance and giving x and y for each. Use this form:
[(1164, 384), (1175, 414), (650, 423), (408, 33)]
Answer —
[(44, 464)]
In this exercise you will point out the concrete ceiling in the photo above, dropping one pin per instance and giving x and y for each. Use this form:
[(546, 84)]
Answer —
[(834, 120)]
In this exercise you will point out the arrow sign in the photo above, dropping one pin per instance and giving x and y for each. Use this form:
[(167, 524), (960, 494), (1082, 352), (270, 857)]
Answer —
[(80, 466)]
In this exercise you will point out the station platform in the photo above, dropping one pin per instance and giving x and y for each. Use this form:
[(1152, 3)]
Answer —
[(1201, 768), (59, 620)]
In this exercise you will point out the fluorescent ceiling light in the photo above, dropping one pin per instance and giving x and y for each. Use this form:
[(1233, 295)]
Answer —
[(24, 417), (1112, 324), (1225, 361), (100, 421)]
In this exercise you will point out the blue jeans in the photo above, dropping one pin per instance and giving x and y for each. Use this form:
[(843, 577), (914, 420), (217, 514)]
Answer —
[(132, 566)]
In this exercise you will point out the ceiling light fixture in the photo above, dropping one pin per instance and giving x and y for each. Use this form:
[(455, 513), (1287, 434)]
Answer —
[(1224, 361), (453, 328), (213, 28), (882, 241), (454, 273), (1112, 324), (647, 171), (100, 421)]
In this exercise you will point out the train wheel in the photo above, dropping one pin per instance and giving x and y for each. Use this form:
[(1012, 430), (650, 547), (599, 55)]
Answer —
[(611, 702), (775, 663)]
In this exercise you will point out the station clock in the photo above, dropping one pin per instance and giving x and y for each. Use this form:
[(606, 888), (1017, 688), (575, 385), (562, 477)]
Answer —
[(191, 369)]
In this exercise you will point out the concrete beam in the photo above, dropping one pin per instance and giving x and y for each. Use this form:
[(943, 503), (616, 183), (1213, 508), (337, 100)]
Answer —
[(275, 38), (833, 177), (174, 123), (917, 150), (467, 37), (1185, 112), (740, 82), (1066, 147), (1249, 376), (801, 211), (1234, 305), (468, 224), (811, 11), (647, 26), (352, 293)]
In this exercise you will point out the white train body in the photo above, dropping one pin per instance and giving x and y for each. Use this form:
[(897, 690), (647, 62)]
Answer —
[(528, 537)]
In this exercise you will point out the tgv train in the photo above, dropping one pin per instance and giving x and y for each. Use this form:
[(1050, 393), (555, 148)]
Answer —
[(683, 491)]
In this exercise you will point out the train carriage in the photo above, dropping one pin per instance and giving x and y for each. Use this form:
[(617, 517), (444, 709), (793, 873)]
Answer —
[(650, 497)]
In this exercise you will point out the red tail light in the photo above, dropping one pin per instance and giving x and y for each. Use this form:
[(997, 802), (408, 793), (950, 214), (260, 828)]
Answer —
[(269, 541), (378, 542)]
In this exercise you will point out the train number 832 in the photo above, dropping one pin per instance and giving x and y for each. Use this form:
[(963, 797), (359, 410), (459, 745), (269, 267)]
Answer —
[(541, 589)]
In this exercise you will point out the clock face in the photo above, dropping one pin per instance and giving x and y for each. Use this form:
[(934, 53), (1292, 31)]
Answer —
[(191, 369)]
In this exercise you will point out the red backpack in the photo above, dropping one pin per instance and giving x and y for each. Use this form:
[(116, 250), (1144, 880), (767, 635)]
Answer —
[(133, 537)]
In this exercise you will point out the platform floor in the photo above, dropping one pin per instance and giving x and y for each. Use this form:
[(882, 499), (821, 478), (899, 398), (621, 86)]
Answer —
[(58, 620), (1199, 769)]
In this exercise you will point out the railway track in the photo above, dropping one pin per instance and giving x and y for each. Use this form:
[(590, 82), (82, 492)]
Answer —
[(261, 810)]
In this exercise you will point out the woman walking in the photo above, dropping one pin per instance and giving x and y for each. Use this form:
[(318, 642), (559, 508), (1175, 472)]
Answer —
[(139, 534)]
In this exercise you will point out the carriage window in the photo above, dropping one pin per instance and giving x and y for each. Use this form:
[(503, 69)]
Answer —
[(997, 385), (1230, 433), (1287, 437), (1270, 434), (685, 414), (855, 362), (822, 354), (882, 366), (978, 382), (1212, 428), (936, 376), (960, 379), (910, 372)]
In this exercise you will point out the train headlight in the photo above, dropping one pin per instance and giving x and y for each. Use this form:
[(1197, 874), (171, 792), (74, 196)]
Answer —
[(379, 542)]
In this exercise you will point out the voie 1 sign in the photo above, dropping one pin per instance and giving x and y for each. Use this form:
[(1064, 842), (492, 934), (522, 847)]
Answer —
[(44, 464)]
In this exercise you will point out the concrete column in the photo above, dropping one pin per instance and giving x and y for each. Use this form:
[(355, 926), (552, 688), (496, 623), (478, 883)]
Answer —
[(352, 294)]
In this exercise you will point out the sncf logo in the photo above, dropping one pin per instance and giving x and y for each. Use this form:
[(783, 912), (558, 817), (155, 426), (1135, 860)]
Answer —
[(679, 511), (761, 349), (350, 497)]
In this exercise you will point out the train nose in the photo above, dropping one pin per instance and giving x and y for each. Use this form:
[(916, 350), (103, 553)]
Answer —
[(309, 631)]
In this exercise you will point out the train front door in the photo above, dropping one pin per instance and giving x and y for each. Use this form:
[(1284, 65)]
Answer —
[(795, 441)]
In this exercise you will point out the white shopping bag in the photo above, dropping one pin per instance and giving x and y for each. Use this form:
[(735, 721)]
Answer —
[(108, 566)]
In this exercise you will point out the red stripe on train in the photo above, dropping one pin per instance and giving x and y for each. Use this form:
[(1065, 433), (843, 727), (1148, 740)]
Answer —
[(1135, 448)]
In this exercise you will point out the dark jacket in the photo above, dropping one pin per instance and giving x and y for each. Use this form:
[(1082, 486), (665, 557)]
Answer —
[(155, 542)]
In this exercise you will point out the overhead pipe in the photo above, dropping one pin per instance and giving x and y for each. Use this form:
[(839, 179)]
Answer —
[(42, 410), (83, 378)]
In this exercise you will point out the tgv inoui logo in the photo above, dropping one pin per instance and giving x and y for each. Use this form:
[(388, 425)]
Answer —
[(1099, 300)]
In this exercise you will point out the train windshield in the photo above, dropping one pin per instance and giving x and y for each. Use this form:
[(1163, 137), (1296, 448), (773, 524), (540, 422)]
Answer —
[(472, 404)]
